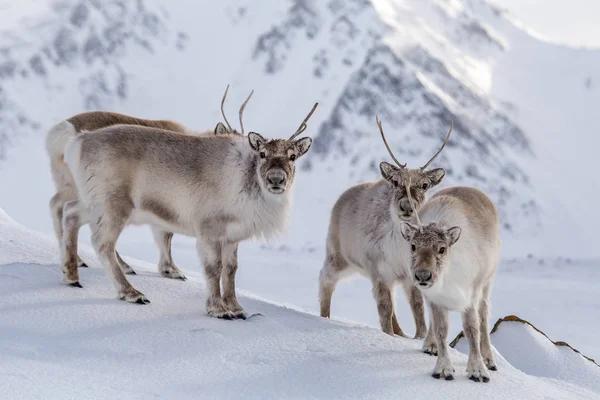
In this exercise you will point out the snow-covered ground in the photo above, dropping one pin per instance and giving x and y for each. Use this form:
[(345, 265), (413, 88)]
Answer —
[(59, 342)]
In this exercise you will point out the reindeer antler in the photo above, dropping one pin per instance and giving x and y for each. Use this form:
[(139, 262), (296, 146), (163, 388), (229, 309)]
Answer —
[(223, 111), (412, 204), (302, 126), (242, 111), (386, 143), (441, 148)]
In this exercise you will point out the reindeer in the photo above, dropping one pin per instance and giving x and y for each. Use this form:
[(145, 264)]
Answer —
[(456, 275), (221, 189), (364, 236), (65, 186)]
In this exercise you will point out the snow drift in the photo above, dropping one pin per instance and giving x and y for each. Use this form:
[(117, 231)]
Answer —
[(58, 342), (533, 352)]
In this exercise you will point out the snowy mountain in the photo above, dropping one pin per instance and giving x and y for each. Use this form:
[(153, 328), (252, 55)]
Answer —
[(59, 342), (523, 109)]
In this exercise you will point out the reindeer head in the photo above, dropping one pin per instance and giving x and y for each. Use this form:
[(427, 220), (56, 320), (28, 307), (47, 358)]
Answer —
[(418, 180), (429, 246), (221, 129), (276, 157)]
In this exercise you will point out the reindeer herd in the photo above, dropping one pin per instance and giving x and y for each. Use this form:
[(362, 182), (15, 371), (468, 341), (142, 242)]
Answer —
[(223, 187)]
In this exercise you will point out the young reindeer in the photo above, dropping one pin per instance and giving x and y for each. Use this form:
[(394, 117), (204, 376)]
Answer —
[(65, 186), (220, 189), (456, 274), (364, 236)]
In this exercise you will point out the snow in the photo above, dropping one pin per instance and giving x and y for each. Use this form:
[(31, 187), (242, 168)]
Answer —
[(484, 66), (535, 354), (59, 342)]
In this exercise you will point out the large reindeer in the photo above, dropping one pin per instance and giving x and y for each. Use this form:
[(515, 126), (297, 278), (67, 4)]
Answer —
[(364, 236), (65, 186), (221, 189), (456, 274)]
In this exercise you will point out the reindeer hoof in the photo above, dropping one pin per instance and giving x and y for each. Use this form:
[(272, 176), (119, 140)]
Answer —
[(75, 284), (240, 315), (83, 265), (437, 376), (133, 296), (172, 272), (450, 378), (131, 272), (493, 368)]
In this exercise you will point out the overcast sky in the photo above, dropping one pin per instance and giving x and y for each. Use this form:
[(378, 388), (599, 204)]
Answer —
[(575, 22)]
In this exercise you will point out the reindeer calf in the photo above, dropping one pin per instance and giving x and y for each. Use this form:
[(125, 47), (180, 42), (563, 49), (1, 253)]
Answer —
[(455, 274)]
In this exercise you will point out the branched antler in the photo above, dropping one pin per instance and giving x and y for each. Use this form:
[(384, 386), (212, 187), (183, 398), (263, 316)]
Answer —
[(302, 126), (441, 148), (386, 144), (242, 111)]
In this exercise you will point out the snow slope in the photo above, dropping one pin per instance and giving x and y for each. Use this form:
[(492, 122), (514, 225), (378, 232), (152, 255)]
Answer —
[(530, 350), (58, 342)]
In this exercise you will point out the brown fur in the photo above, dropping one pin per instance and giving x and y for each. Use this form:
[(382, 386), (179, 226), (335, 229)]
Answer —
[(93, 120), (159, 209)]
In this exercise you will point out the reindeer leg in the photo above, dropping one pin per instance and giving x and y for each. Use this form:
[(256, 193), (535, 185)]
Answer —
[(385, 306), (126, 268), (106, 229), (230, 266), (328, 279), (166, 266), (415, 299), (72, 218), (484, 330), (476, 370), (210, 254), (443, 367)]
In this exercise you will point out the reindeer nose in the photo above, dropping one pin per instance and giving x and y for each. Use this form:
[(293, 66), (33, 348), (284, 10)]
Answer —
[(422, 276), (276, 178), (406, 207)]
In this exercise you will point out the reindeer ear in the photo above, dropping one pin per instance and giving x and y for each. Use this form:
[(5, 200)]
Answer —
[(220, 129), (453, 234), (303, 145), (256, 140), (408, 230), (436, 175), (387, 170)]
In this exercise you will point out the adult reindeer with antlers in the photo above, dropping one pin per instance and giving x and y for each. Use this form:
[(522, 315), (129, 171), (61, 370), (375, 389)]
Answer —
[(66, 190), (364, 236), (221, 189)]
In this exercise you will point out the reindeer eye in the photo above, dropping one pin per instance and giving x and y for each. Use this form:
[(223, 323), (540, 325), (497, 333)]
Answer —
[(425, 186), (293, 157), (442, 250), (262, 154), (413, 248), (395, 183)]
